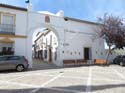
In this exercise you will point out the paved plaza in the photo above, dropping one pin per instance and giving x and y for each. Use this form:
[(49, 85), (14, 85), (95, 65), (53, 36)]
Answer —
[(81, 79)]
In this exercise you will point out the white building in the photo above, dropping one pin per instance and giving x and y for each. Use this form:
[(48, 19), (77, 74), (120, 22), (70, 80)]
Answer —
[(46, 45), (13, 27), (77, 39)]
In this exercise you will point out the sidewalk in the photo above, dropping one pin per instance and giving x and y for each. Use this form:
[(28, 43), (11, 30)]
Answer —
[(40, 65)]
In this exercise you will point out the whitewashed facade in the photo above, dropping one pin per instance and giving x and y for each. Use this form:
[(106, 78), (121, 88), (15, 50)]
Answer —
[(45, 47), (74, 36)]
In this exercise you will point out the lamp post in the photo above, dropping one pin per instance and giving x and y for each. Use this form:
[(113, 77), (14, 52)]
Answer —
[(27, 1), (29, 5)]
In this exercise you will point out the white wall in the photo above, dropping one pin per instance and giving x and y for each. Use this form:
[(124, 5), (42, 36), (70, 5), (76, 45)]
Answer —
[(76, 34), (21, 19), (20, 29), (20, 46)]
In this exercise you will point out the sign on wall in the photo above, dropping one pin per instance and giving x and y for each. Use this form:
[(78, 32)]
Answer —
[(47, 19)]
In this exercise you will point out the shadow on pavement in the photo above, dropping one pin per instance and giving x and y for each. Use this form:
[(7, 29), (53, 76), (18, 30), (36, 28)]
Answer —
[(7, 71), (68, 89), (95, 88)]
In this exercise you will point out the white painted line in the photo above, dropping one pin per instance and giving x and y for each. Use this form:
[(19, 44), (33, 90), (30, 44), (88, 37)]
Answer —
[(74, 77), (51, 80), (88, 87), (16, 78), (53, 72), (26, 75), (20, 84), (102, 72), (84, 78), (106, 80), (70, 77), (19, 75), (86, 70), (118, 73)]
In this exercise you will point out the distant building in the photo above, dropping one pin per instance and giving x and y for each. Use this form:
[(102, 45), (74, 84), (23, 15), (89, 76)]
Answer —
[(46, 46)]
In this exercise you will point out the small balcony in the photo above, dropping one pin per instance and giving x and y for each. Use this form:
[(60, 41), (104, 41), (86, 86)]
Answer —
[(7, 29)]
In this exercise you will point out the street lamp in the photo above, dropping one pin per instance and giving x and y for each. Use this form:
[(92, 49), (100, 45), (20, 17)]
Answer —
[(29, 5), (27, 1)]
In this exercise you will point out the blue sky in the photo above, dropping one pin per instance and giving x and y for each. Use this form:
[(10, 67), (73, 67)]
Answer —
[(81, 9)]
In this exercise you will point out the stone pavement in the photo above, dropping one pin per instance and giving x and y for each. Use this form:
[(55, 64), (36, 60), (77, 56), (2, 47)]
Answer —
[(82, 79)]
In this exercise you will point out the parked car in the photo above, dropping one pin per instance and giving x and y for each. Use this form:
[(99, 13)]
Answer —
[(19, 63), (120, 60)]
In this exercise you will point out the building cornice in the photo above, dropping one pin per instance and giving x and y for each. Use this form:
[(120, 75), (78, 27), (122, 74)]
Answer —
[(82, 21)]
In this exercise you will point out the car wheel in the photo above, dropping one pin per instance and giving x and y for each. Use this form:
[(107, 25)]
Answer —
[(121, 63), (20, 68)]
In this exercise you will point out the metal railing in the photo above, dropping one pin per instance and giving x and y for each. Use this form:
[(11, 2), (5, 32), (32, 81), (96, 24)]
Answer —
[(7, 29)]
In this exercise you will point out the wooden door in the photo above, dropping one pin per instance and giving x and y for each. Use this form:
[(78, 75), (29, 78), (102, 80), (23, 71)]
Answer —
[(86, 53), (50, 55)]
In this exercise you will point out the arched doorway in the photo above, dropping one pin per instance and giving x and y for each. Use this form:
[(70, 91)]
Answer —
[(50, 53)]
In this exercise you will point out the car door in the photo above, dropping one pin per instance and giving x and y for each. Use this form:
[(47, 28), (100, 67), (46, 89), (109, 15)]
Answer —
[(3, 64), (12, 62)]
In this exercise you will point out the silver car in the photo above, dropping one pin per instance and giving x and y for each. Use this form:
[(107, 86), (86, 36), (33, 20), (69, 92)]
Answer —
[(19, 63)]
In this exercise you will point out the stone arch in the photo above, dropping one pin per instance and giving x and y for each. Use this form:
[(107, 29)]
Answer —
[(29, 40)]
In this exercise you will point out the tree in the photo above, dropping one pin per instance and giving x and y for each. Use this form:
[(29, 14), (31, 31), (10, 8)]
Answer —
[(112, 31)]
